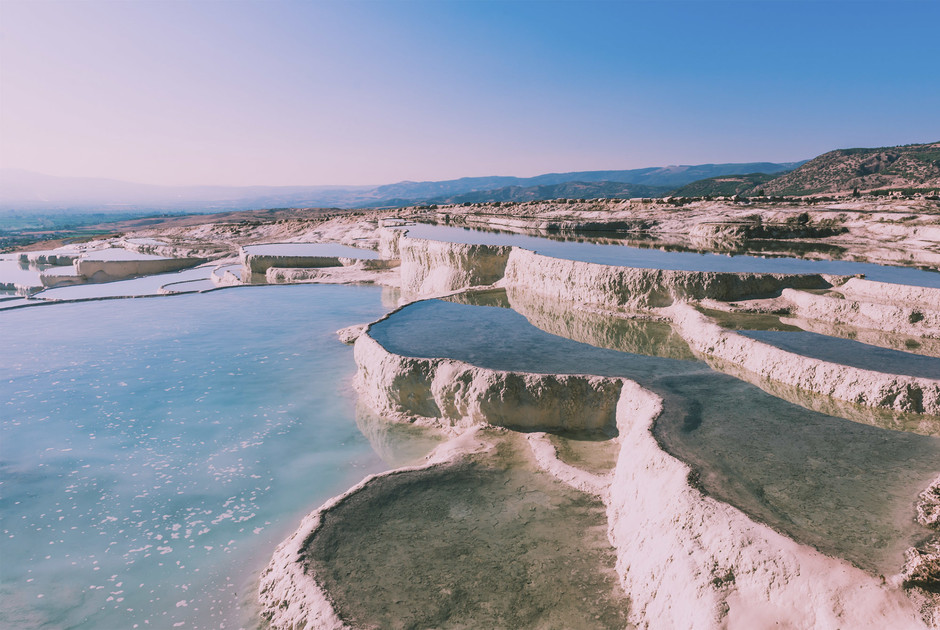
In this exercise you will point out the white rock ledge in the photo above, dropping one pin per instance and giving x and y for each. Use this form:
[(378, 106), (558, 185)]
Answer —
[(689, 561), (110, 270), (618, 287), (890, 308), (432, 267), (451, 392), (907, 394)]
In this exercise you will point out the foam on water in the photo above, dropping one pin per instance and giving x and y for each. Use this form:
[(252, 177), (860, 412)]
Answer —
[(153, 452)]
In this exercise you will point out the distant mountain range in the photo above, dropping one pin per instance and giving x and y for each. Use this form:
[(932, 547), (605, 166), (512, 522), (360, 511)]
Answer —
[(840, 171), (32, 192)]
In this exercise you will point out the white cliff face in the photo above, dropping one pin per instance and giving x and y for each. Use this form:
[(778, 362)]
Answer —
[(615, 287), (863, 387), (689, 561), (452, 392), (435, 267), (604, 329)]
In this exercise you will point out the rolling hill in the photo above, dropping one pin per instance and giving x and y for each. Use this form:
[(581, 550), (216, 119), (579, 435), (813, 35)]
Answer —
[(844, 170)]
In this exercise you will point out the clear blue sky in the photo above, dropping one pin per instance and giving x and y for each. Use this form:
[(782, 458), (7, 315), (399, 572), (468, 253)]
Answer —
[(269, 92)]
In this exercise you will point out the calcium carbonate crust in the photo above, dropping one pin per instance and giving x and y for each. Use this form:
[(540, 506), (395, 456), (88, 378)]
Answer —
[(863, 387), (684, 559)]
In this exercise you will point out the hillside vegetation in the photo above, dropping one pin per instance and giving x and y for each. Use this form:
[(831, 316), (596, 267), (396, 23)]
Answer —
[(845, 170), (726, 186), (567, 190)]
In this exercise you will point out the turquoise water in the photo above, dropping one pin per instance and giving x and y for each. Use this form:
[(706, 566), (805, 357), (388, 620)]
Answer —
[(628, 256), (846, 488), (154, 452)]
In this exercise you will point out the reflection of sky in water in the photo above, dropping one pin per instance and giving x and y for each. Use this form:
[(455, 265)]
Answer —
[(658, 259), (146, 285), (154, 452), (12, 272)]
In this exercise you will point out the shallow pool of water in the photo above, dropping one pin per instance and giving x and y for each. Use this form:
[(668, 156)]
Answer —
[(135, 287), (470, 545), (154, 452), (844, 487), (624, 255), (849, 352), (13, 272)]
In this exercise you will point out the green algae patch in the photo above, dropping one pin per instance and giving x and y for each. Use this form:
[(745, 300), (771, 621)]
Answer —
[(472, 544)]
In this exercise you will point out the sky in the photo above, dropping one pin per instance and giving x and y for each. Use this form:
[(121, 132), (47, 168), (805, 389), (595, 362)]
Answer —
[(359, 93)]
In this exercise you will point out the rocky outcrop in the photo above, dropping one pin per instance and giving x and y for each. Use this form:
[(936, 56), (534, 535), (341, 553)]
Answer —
[(260, 263), (61, 256), (928, 506), (434, 267), (228, 275), (451, 392), (60, 277), (863, 387), (617, 287), (357, 272)]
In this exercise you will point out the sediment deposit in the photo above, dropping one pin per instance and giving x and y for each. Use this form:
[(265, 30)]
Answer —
[(875, 305)]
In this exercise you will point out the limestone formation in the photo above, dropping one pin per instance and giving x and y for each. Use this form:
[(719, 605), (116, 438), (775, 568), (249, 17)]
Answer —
[(864, 387)]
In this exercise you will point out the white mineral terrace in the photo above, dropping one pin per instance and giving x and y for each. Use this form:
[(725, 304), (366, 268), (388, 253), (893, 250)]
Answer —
[(260, 258), (676, 548), (685, 559)]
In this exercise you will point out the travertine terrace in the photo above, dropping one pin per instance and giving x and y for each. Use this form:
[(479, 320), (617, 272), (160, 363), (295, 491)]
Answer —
[(682, 558)]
